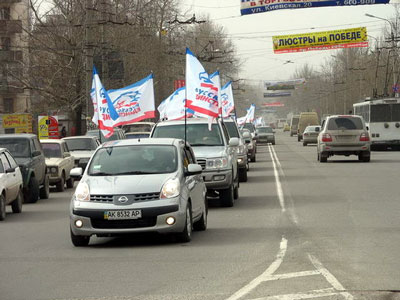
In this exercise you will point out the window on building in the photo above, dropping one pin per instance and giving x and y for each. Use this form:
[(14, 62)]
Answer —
[(5, 43), (8, 105), (4, 13)]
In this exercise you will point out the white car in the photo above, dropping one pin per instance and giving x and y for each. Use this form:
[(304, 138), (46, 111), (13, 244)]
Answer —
[(10, 184), (59, 163)]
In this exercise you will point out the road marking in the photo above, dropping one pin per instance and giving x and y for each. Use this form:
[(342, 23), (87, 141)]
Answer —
[(329, 277), (267, 273), (291, 275), (279, 189), (307, 295)]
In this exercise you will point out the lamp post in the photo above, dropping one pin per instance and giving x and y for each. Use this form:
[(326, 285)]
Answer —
[(392, 31)]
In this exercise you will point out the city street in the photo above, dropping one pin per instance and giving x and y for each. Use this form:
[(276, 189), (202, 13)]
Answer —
[(300, 229)]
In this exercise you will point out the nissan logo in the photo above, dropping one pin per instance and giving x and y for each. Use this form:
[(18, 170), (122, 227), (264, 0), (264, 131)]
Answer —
[(123, 199)]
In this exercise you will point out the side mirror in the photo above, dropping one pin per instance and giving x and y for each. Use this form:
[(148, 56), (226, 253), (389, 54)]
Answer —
[(367, 128), (233, 142), (10, 170), (76, 173), (66, 154), (247, 141), (193, 169), (317, 129), (36, 153)]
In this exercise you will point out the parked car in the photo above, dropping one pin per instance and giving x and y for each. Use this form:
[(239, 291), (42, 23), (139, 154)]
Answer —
[(266, 135), (241, 150), (81, 148), (118, 134), (137, 135), (251, 144), (294, 122), (310, 135), (213, 150), (138, 127), (151, 185), (306, 119), (344, 135), (59, 163), (28, 153), (11, 184)]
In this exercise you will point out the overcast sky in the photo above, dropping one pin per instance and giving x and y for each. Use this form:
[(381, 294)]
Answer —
[(252, 34)]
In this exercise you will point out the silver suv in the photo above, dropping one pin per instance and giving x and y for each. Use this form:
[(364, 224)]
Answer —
[(149, 185), (215, 152), (344, 135)]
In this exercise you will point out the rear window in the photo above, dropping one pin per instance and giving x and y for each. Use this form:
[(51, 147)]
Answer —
[(295, 121), (51, 150), (81, 144), (348, 123), (265, 130)]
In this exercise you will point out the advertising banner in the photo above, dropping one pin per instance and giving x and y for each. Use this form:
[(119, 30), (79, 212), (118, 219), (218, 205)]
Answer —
[(277, 94), (274, 104), (324, 40), (281, 84), (21, 123), (248, 7), (280, 87), (48, 127)]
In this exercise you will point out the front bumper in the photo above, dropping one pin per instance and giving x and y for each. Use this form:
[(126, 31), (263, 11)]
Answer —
[(218, 179), (54, 178), (153, 220)]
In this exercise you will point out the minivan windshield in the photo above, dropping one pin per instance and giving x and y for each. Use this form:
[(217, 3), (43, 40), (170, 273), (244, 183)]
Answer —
[(196, 134), (17, 147), (347, 123), (134, 160), (81, 144), (265, 130)]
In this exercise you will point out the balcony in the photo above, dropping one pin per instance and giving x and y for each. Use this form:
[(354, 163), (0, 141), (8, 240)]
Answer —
[(9, 27), (10, 55)]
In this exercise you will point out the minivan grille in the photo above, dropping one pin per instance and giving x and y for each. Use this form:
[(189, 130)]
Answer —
[(136, 197), (147, 197), (202, 163), (101, 198)]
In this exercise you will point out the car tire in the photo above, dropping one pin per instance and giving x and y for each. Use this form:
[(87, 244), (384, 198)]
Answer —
[(227, 196), (186, 235), (70, 183), (45, 190), (2, 208), (201, 225), (32, 192), (243, 175), (61, 184), (253, 158), (304, 144), (273, 143), (79, 240), (298, 138), (16, 205), (365, 156), (323, 158)]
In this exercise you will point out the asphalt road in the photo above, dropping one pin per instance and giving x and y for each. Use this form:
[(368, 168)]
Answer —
[(300, 230)]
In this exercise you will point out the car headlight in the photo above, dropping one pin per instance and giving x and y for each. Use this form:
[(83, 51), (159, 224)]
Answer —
[(82, 192), (241, 149), (171, 188), (53, 170), (217, 163)]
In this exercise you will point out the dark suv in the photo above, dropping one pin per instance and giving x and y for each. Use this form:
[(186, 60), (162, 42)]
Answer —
[(28, 153)]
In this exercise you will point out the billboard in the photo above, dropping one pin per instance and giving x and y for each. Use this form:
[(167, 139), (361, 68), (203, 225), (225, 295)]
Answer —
[(248, 7), (16, 123), (48, 127), (324, 40), (274, 104), (277, 94)]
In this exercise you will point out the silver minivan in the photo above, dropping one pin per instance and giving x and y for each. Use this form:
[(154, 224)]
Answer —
[(148, 185)]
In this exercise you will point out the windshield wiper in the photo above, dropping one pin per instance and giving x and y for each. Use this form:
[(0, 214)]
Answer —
[(204, 145), (134, 173), (101, 174)]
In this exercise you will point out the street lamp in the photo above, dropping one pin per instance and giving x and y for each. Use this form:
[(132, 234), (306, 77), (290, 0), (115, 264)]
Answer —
[(392, 30)]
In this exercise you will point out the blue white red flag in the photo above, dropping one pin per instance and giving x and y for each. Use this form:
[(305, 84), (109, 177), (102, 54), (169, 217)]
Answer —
[(105, 113), (134, 102), (173, 108), (227, 103), (201, 92)]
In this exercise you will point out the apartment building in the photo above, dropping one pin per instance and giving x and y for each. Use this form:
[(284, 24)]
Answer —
[(14, 56)]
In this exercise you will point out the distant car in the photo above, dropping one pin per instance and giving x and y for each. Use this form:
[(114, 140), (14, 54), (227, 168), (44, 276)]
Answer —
[(266, 135), (118, 134), (306, 119), (28, 152), (59, 163), (137, 135), (138, 127), (11, 184), (151, 185), (310, 135), (251, 144), (81, 148), (344, 135), (286, 127)]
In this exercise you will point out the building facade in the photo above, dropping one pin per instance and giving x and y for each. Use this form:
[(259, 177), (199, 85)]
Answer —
[(14, 56)]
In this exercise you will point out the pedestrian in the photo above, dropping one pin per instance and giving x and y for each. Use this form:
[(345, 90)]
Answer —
[(63, 132)]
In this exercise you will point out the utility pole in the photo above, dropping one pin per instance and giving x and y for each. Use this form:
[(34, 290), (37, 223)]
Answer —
[(88, 64)]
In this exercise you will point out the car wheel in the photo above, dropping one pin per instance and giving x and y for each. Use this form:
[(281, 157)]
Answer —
[(70, 183), (227, 196), (79, 240), (61, 184), (304, 144), (273, 143), (365, 156), (16, 205), (2, 208), (186, 235), (32, 193), (247, 166), (45, 190), (323, 158), (253, 158), (298, 138), (243, 175), (201, 224)]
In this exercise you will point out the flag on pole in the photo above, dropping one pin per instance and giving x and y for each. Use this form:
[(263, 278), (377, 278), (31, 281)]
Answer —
[(134, 102), (106, 113), (201, 92), (173, 108), (216, 79), (227, 103), (250, 113)]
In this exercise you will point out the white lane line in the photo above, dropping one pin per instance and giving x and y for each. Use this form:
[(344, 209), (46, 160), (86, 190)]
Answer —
[(279, 189), (329, 277), (292, 275), (307, 295), (267, 273)]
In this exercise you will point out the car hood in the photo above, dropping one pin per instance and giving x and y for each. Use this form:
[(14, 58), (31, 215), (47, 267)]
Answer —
[(53, 161), (23, 161), (82, 154), (209, 151), (127, 184)]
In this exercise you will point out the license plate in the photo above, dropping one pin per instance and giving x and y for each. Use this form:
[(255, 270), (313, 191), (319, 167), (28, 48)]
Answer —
[(123, 214)]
